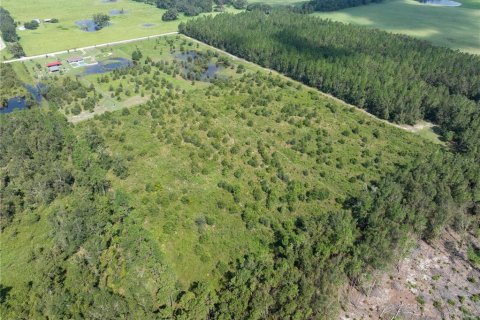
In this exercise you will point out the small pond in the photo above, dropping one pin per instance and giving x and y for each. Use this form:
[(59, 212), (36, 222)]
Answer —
[(117, 12), (87, 25), (148, 25), (109, 1), (443, 3), (208, 73), (107, 66), (20, 103), (17, 103)]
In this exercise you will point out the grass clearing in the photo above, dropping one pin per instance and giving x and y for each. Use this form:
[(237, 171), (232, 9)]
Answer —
[(139, 20), (454, 27)]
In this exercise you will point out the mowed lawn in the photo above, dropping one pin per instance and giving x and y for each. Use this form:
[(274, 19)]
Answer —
[(454, 27), (66, 35)]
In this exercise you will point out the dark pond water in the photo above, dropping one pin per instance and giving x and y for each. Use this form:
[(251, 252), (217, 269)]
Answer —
[(443, 3), (107, 66), (117, 12), (210, 73), (87, 25), (20, 103), (17, 103)]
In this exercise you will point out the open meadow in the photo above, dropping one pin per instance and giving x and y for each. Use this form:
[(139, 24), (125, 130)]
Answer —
[(454, 27)]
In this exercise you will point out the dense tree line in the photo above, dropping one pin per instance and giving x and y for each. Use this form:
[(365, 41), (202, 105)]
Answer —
[(332, 5), (8, 28), (394, 77), (188, 7)]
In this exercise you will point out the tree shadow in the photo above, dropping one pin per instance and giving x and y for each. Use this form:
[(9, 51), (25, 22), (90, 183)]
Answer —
[(308, 46), (4, 292)]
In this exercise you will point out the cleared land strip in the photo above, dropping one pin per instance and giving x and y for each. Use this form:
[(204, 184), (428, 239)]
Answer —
[(51, 54)]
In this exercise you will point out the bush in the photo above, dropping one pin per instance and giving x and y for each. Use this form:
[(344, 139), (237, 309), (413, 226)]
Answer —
[(101, 20), (32, 25), (170, 15)]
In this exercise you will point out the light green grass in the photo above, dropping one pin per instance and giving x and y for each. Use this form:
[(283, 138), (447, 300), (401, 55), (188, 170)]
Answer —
[(454, 27), (66, 35)]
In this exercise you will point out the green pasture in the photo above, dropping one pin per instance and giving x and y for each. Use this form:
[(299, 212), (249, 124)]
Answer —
[(52, 37), (454, 27)]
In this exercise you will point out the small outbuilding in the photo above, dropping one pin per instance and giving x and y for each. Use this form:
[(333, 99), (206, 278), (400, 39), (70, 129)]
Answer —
[(54, 66)]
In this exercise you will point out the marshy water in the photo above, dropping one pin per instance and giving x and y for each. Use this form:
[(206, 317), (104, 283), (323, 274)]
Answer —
[(117, 12), (201, 71), (87, 25), (20, 103), (107, 66), (442, 3)]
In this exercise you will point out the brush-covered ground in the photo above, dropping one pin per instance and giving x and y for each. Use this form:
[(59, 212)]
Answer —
[(207, 166)]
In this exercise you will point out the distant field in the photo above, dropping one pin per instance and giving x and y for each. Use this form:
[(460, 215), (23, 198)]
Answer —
[(66, 35), (454, 27)]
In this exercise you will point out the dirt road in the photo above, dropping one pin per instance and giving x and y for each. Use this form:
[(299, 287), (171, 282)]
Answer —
[(53, 54)]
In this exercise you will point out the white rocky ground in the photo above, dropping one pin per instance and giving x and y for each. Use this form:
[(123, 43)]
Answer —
[(436, 281)]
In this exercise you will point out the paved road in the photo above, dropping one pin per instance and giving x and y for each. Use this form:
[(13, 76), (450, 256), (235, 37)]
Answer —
[(52, 54)]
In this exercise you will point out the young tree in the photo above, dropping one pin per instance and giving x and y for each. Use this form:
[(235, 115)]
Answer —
[(170, 15), (32, 25), (101, 20)]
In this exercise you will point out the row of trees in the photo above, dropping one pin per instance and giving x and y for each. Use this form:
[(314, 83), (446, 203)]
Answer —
[(9, 33), (332, 5), (394, 77), (188, 7), (8, 26)]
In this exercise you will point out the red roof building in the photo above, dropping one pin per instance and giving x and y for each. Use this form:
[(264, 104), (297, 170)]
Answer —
[(54, 64)]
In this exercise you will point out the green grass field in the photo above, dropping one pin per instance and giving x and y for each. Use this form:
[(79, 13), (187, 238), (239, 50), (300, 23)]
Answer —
[(66, 35), (181, 145), (454, 27)]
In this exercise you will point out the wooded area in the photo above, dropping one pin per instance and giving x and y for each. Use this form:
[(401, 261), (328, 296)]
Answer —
[(332, 5)]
